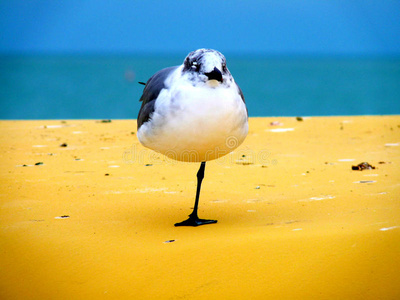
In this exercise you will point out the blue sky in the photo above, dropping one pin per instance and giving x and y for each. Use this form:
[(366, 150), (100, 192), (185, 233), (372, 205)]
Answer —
[(267, 27)]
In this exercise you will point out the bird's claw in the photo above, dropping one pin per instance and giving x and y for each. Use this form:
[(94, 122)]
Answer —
[(193, 221)]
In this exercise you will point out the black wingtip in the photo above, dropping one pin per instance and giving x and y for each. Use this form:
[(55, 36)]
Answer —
[(143, 83)]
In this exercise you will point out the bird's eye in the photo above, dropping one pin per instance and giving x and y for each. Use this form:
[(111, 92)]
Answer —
[(224, 67), (195, 65)]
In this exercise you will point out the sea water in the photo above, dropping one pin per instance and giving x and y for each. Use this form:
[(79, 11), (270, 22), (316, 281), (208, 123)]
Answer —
[(106, 87)]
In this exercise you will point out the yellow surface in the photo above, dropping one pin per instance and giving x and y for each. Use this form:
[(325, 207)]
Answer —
[(293, 220)]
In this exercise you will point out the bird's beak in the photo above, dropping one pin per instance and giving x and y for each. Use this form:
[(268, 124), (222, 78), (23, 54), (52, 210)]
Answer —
[(214, 75)]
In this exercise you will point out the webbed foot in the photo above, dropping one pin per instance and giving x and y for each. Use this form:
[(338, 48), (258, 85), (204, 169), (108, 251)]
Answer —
[(195, 221)]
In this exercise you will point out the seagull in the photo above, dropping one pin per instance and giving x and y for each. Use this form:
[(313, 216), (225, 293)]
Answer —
[(194, 112)]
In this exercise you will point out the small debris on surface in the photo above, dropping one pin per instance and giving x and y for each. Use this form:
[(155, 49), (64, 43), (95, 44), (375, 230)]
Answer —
[(276, 123), (148, 165), (243, 162), (62, 217), (292, 221), (389, 228), (300, 119), (169, 241), (25, 165), (365, 181), (325, 197), (257, 187), (281, 129), (64, 145), (106, 174), (104, 121), (39, 163), (362, 166), (53, 126)]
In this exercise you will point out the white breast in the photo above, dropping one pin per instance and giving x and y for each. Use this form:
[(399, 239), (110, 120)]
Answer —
[(196, 123)]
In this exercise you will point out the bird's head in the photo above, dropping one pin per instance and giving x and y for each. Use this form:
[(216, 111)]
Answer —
[(207, 65)]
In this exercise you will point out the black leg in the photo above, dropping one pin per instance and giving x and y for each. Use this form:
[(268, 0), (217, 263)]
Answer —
[(193, 218)]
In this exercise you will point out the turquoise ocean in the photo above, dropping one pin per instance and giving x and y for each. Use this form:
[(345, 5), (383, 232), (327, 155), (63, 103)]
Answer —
[(106, 87)]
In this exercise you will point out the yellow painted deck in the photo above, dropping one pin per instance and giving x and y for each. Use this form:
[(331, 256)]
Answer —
[(294, 220)]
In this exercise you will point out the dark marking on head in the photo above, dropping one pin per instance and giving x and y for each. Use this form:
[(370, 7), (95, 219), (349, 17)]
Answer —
[(194, 62)]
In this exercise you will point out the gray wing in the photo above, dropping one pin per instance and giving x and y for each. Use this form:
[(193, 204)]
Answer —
[(150, 93), (242, 96)]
